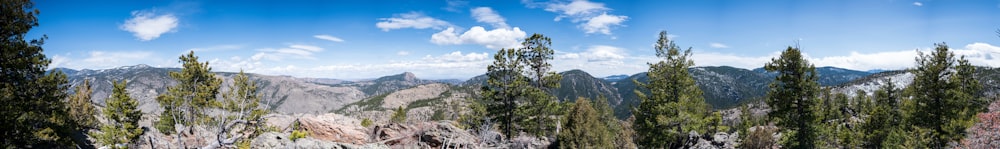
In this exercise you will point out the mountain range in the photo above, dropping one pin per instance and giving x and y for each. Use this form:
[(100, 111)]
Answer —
[(723, 87)]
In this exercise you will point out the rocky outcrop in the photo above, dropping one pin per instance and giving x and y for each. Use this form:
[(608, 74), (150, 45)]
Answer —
[(334, 127), (403, 98), (281, 140), (425, 135)]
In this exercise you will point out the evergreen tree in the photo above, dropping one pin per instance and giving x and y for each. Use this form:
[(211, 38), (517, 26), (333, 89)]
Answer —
[(243, 117), (542, 110), (504, 88), (943, 96), (184, 104), (883, 116), (791, 97), (80, 110), (584, 128), (122, 128), (34, 114), (675, 105), (399, 115)]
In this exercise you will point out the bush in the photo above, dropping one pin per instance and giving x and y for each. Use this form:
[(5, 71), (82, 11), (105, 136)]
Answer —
[(296, 134), (366, 122), (759, 138)]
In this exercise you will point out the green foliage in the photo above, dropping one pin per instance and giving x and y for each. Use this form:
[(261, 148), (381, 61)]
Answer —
[(123, 118), (195, 91), (519, 87), (242, 105), (759, 138), (476, 115), (399, 116), (34, 114), (884, 116), (366, 122), (297, 134), (792, 97), (675, 105), (81, 112), (584, 128), (944, 96)]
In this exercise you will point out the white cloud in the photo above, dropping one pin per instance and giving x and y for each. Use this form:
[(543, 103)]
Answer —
[(980, 54), (593, 17), (492, 39), (296, 51), (918, 4), (457, 56), (487, 15), (454, 5), (328, 37), (597, 54), (716, 45), (451, 65), (58, 61), (576, 8), (411, 20), (602, 23), (147, 25), (403, 53), (214, 48)]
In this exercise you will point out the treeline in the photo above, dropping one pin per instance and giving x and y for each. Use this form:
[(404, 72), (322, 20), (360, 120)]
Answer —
[(932, 112)]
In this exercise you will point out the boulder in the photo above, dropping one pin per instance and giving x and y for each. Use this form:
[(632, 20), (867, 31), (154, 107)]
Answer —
[(334, 127)]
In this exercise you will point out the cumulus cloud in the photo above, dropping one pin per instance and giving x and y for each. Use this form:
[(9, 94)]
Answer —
[(492, 39), (918, 4), (296, 51), (715, 45), (329, 38), (602, 23), (147, 25), (597, 54), (487, 15), (592, 17), (414, 20)]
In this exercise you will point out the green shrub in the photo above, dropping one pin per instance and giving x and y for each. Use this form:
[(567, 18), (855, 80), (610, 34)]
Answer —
[(366, 122), (297, 134)]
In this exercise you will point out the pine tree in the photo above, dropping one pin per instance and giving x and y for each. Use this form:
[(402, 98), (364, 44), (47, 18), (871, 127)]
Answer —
[(883, 116), (584, 128), (791, 98), (943, 96), (542, 109), (80, 110), (122, 128), (399, 115), (676, 105), (34, 114), (184, 104), (243, 117), (504, 88)]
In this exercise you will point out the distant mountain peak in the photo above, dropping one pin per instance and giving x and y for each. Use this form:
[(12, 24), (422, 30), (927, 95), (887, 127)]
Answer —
[(139, 66), (405, 76)]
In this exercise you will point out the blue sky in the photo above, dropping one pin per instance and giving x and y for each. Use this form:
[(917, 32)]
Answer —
[(457, 38)]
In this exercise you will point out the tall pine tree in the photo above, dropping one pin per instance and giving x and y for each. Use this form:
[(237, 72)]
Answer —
[(792, 96), (504, 88), (883, 116), (675, 105), (184, 104), (541, 111), (122, 128), (944, 96), (34, 114)]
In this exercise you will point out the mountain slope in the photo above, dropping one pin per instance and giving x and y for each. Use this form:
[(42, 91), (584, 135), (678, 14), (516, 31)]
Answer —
[(282, 94), (577, 83)]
